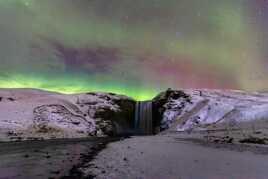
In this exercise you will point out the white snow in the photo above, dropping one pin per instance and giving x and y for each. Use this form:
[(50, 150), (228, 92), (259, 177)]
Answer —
[(223, 106), (32, 113)]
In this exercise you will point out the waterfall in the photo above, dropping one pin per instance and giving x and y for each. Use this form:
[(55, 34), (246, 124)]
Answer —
[(143, 117)]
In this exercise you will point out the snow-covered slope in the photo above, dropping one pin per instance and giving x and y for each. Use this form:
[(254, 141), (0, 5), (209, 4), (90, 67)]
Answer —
[(31, 114), (188, 110)]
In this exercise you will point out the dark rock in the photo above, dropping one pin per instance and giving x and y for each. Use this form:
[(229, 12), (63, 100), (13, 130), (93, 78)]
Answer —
[(254, 140), (91, 93), (119, 122), (216, 140), (93, 148), (75, 122), (11, 99), (55, 172), (11, 133), (112, 94), (230, 140), (257, 132)]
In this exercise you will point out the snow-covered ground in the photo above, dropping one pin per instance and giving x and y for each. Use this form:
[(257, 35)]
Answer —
[(31, 114), (213, 109)]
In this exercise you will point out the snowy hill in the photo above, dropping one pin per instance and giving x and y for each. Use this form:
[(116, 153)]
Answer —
[(188, 110), (36, 114)]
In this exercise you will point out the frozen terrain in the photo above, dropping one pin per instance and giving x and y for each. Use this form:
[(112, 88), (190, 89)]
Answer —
[(35, 114), (197, 110)]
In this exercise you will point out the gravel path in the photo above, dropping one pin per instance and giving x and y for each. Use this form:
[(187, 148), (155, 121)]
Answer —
[(168, 157)]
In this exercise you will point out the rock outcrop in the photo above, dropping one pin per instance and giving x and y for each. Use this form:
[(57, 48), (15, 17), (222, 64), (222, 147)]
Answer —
[(35, 114)]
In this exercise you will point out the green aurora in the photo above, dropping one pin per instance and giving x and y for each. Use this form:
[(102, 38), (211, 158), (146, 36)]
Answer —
[(134, 48)]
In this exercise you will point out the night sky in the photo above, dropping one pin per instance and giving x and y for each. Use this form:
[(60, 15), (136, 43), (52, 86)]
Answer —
[(133, 47)]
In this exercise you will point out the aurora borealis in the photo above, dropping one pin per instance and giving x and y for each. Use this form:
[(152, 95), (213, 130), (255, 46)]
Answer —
[(137, 48)]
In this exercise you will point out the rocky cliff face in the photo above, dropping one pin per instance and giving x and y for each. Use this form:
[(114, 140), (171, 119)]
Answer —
[(195, 110), (35, 114)]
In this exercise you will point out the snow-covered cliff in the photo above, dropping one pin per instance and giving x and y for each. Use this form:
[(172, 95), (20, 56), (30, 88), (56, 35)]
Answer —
[(36, 114), (187, 110)]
